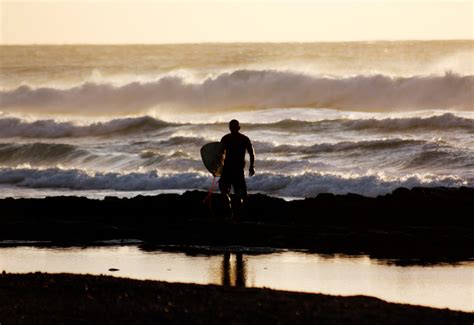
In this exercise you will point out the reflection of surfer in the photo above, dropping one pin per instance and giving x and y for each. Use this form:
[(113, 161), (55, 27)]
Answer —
[(236, 278), (235, 144)]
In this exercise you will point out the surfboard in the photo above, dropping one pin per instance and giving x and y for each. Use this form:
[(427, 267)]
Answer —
[(213, 155)]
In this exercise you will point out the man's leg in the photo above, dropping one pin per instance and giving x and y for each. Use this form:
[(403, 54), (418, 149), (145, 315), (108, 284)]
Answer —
[(224, 187), (240, 190)]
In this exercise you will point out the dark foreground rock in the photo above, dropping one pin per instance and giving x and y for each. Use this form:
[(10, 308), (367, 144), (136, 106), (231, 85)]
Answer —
[(76, 299), (430, 224)]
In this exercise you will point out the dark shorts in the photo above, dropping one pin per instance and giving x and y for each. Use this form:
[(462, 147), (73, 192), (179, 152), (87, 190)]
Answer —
[(235, 180)]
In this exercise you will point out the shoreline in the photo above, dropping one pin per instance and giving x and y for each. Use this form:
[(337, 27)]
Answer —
[(429, 225), (33, 297)]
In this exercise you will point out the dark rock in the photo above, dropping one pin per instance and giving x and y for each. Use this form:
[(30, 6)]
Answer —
[(423, 221)]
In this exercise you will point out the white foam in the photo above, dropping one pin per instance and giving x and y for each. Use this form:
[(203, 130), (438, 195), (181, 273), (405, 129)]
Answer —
[(16, 127), (250, 89), (298, 185)]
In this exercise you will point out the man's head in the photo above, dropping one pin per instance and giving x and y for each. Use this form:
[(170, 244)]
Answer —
[(234, 126)]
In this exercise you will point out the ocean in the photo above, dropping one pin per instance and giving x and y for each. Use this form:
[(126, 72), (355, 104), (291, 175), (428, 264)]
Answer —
[(124, 120)]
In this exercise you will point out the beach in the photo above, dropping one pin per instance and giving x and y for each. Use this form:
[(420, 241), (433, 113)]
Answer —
[(54, 299)]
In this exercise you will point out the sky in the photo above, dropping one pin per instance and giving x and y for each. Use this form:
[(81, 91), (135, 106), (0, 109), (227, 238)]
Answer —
[(194, 21)]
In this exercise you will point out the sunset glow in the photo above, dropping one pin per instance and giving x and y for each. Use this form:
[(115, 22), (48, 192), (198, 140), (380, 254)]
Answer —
[(120, 22)]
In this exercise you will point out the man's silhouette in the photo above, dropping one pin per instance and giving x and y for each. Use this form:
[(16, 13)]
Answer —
[(235, 145)]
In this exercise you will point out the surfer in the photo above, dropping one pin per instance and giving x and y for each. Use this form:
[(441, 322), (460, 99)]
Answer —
[(235, 145)]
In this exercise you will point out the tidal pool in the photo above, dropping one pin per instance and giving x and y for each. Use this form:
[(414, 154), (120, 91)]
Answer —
[(440, 286)]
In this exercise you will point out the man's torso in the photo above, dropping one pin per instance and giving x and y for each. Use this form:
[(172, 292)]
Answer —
[(235, 145)]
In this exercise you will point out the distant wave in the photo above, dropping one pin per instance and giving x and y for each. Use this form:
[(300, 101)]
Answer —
[(438, 122), (435, 158), (57, 154), (250, 89), (344, 146), (182, 140), (38, 153), (302, 185), (15, 127)]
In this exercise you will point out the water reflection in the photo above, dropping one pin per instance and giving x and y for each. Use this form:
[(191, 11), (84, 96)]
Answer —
[(233, 274), (438, 286)]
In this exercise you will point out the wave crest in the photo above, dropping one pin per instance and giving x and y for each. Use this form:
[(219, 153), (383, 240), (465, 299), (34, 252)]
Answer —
[(38, 152), (301, 185), (251, 89), (15, 127), (345, 146), (437, 122)]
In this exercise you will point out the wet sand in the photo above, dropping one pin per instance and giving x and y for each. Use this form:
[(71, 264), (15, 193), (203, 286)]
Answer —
[(422, 225), (76, 299)]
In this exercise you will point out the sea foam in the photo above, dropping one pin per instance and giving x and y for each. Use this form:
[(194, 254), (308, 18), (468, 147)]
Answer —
[(250, 89), (300, 185), (16, 127)]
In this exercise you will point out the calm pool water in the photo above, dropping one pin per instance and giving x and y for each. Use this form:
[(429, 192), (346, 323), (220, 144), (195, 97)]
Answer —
[(441, 286)]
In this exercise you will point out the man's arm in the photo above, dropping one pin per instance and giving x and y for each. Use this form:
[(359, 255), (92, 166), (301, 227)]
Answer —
[(251, 152)]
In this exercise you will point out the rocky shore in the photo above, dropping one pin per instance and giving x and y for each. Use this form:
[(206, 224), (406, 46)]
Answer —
[(78, 299), (421, 224)]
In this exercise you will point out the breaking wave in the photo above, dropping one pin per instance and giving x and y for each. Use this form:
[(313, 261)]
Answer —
[(438, 122), (57, 154), (302, 185), (38, 153), (44, 154), (345, 146), (15, 127), (250, 89)]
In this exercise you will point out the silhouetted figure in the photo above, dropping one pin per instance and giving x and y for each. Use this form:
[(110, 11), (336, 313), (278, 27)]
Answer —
[(239, 272), (235, 145)]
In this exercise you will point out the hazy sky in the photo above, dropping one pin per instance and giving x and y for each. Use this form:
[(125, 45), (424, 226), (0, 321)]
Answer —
[(184, 21)]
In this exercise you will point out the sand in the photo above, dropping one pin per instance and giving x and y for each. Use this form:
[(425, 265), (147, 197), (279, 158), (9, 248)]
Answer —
[(77, 299)]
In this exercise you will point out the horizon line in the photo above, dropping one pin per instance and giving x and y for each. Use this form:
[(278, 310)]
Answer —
[(240, 42)]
